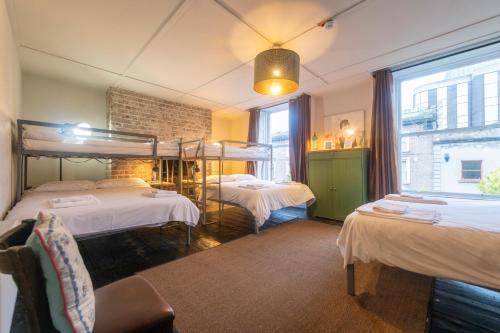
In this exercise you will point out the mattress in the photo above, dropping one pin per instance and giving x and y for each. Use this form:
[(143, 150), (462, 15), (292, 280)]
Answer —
[(120, 209), (462, 246), (263, 201), (167, 149), (215, 150)]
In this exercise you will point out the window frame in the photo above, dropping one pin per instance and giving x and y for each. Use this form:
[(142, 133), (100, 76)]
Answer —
[(471, 180), (432, 65)]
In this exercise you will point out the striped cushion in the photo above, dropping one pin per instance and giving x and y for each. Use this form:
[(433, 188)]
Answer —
[(69, 287)]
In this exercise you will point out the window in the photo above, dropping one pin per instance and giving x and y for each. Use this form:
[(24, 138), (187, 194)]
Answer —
[(274, 130), (471, 171), (405, 171), (405, 144), (491, 98), (448, 110)]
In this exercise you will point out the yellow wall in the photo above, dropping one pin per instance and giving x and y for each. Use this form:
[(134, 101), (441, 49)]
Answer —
[(233, 127)]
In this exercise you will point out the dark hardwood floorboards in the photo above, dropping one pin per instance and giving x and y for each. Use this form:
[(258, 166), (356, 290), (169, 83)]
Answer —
[(455, 306)]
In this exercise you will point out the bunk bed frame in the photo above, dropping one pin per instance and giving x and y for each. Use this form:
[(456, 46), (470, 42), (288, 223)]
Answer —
[(200, 155), (23, 154)]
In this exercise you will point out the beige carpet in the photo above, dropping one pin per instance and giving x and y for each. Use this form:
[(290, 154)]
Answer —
[(288, 279)]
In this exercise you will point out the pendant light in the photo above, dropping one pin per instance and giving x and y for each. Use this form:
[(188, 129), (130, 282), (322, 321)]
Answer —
[(276, 72)]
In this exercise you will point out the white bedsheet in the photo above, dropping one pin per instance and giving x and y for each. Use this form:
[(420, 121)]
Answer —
[(262, 201), (74, 145), (120, 208), (215, 150), (463, 245)]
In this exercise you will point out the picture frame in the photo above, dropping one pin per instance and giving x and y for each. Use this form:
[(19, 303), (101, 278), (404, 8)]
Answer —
[(327, 144), (346, 128)]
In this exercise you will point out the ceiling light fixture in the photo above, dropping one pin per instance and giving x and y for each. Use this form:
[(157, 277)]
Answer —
[(276, 72)]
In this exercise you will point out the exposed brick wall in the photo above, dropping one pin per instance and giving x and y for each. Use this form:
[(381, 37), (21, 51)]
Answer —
[(135, 112)]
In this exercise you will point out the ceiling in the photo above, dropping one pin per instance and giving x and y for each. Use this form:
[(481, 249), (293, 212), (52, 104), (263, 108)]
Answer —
[(201, 51)]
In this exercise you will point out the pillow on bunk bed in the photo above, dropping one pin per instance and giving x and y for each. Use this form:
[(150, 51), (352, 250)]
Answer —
[(66, 185), (124, 182), (69, 288), (44, 134), (223, 179), (242, 177)]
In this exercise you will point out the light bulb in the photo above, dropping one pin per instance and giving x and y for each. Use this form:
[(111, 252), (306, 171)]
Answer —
[(349, 131), (276, 72), (275, 88)]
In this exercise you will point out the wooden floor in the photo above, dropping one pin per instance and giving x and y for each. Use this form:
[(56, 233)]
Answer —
[(455, 306)]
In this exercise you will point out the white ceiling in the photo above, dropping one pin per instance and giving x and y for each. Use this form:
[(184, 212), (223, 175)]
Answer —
[(201, 51)]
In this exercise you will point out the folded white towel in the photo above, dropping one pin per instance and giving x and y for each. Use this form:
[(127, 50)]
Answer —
[(74, 201), (389, 208), (160, 195), (415, 199), (411, 214), (254, 186), (163, 192)]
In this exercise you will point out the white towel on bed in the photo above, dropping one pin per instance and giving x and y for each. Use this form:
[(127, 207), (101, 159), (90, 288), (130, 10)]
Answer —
[(411, 214), (160, 193), (73, 201), (389, 208), (254, 186), (415, 199)]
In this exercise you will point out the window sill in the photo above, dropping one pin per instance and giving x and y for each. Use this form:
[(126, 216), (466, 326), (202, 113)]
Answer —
[(472, 181)]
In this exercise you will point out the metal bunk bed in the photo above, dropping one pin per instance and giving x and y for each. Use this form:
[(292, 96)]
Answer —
[(23, 153), (200, 154)]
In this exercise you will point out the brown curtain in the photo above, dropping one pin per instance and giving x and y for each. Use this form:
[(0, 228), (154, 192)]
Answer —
[(299, 115), (383, 165), (253, 136)]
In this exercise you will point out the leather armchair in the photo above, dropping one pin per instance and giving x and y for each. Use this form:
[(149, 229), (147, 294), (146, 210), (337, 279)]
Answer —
[(128, 305)]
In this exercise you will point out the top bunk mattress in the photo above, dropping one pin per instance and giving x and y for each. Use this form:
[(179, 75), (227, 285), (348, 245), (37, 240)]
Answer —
[(51, 141), (230, 152)]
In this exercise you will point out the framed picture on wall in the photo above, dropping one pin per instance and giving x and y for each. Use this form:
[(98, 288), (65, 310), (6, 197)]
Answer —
[(347, 129)]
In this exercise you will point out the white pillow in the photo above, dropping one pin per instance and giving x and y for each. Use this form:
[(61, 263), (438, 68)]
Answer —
[(243, 176), (45, 134), (123, 182), (223, 178), (66, 185)]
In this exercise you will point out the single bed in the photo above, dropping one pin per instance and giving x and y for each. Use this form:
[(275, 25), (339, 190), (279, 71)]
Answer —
[(261, 201), (119, 209), (463, 245)]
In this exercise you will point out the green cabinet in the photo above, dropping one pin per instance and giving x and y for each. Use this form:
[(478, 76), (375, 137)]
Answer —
[(339, 181)]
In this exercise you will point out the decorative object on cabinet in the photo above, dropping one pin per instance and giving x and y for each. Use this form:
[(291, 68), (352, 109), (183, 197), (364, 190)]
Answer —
[(339, 181)]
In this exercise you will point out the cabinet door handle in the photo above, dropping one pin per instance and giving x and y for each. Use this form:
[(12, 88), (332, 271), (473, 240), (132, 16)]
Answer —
[(332, 188)]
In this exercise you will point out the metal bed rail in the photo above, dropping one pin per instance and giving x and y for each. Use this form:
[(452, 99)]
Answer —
[(200, 155), (107, 134)]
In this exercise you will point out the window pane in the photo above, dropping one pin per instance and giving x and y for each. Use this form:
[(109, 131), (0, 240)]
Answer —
[(472, 175), (274, 130), (491, 98), (471, 165), (450, 126)]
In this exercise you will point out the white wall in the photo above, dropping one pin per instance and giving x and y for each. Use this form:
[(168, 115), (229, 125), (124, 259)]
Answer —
[(10, 95), (357, 96), (57, 101)]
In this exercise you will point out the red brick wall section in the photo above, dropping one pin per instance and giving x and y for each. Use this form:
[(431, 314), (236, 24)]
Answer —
[(135, 112)]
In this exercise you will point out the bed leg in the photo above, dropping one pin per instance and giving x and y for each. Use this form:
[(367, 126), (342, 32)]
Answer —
[(256, 228), (350, 280), (188, 239)]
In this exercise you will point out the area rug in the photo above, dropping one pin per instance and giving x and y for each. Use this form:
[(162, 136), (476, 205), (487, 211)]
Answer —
[(288, 279)]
